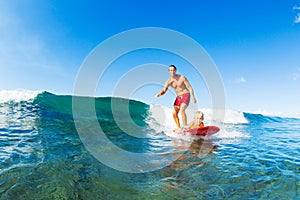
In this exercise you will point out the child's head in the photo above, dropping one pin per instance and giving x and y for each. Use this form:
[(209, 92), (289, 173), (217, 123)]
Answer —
[(199, 115)]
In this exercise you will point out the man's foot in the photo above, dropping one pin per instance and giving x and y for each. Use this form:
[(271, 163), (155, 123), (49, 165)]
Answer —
[(180, 129), (176, 129)]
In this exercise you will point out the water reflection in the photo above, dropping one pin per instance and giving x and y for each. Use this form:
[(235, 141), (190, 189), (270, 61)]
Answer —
[(181, 173)]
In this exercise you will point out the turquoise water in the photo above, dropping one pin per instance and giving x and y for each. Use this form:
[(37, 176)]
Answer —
[(43, 157)]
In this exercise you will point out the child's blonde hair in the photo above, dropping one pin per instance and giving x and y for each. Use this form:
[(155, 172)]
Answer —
[(200, 113)]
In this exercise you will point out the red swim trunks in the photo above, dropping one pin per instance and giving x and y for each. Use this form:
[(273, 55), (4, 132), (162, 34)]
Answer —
[(185, 98)]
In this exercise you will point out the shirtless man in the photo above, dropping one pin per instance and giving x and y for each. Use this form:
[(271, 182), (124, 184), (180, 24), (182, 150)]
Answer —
[(183, 91)]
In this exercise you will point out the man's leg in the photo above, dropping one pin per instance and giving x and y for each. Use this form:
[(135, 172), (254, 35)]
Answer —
[(175, 116), (183, 107)]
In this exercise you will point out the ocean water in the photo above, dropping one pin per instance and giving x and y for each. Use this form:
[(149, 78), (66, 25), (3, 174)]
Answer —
[(43, 155)]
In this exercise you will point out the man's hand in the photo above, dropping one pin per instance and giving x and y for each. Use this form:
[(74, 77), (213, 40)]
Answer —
[(195, 100), (161, 93)]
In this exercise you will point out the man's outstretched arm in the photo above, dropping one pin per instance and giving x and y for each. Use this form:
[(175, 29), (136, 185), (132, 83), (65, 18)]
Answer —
[(164, 90)]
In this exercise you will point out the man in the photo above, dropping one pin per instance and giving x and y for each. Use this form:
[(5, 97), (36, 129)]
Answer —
[(183, 91)]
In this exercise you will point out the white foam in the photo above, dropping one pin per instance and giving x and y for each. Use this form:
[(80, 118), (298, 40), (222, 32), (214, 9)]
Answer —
[(161, 120), (18, 95), (225, 116), (230, 133)]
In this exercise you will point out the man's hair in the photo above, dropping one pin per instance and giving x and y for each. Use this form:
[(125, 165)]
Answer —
[(173, 66)]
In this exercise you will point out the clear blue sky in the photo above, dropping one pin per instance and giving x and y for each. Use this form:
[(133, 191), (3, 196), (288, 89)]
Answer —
[(255, 45)]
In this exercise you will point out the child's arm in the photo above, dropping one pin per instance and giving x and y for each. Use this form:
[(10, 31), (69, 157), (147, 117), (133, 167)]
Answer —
[(201, 124), (191, 125)]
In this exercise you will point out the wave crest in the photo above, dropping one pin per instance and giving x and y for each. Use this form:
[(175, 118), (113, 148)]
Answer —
[(18, 95)]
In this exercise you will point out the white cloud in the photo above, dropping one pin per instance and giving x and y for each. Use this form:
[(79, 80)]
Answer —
[(296, 8), (296, 75), (240, 80), (297, 19)]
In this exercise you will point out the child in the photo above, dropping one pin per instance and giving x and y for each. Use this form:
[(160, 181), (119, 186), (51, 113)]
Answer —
[(198, 121)]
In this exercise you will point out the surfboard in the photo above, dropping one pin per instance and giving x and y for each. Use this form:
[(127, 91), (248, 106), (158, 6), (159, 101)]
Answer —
[(203, 131)]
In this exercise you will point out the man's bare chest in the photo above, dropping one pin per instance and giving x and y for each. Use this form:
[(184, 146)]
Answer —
[(176, 83)]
